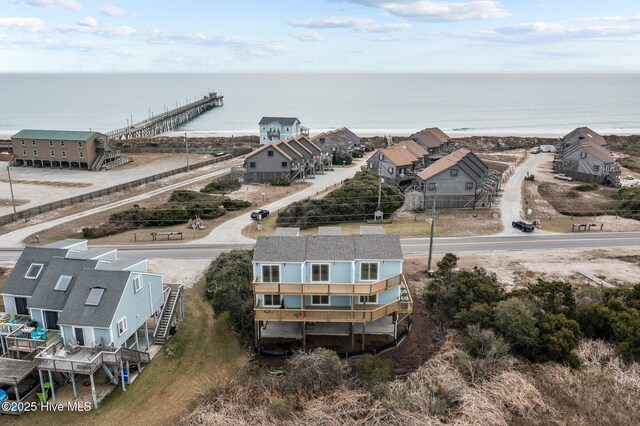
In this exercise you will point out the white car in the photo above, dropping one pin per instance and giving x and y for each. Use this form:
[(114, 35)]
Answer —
[(561, 176), (536, 150)]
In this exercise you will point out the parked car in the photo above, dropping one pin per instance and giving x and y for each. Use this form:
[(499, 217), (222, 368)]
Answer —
[(259, 214), (629, 177), (536, 150), (561, 176), (523, 225), (547, 148)]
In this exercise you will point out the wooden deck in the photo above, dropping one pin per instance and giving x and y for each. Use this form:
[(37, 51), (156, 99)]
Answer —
[(7, 328), (21, 341), (346, 289), (13, 371)]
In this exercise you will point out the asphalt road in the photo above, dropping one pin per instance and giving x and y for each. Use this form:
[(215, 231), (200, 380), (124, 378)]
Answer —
[(521, 242)]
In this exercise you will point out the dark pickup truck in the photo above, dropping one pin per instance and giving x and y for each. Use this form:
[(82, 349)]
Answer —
[(523, 226)]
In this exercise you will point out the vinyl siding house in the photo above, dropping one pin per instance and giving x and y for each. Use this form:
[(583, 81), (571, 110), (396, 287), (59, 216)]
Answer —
[(293, 158), (274, 129), (435, 141), (585, 157), (339, 285), (74, 309), (339, 140), (398, 163), (58, 148), (458, 180)]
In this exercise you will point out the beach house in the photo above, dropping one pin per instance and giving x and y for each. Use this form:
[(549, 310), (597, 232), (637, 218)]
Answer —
[(65, 149), (77, 310), (399, 162), (274, 129), (343, 286), (583, 154), (458, 180), (435, 141), (338, 140), (293, 158)]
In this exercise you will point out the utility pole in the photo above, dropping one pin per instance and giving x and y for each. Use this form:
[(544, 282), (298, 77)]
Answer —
[(13, 200), (433, 226), (186, 145)]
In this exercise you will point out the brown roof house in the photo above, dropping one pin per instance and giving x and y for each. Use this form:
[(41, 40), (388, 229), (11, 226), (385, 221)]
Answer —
[(396, 163), (292, 158), (585, 157), (458, 180), (434, 140), (337, 140)]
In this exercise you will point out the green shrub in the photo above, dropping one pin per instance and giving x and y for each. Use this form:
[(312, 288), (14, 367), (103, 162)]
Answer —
[(340, 158), (586, 187), (231, 204), (356, 200), (373, 372), (204, 211), (280, 182), (553, 297), (317, 372), (558, 337), (98, 232), (222, 187), (186, 196), (484, 343), (514, 321)]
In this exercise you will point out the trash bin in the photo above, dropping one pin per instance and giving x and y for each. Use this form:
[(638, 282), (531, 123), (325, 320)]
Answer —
[(172, 330)]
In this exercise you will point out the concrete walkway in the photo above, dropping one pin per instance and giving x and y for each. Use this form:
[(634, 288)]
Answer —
[(231, 230), (511, 201)]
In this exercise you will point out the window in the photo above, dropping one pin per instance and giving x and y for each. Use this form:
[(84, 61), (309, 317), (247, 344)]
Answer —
[(35, 152), (287, 129), (22, 142), (320, 300), (320, 272), (596, 168), (371, 165), (454, 172), (390, 170), (583, 155), (381, 157), (79, 144), (321, 140), (368, 271), (469, 185), (369, 299), (432, 187), (402, 170), (62, 144), (122, 326), (50, 143), (270, 273), (53, 154), (137, 283), (94, 297), (270, 153), (63, 283), (284, 164), (272, 300), (33, 142), (64, 154), (24, 152), (81, 154), (34, 271), (252, 164)]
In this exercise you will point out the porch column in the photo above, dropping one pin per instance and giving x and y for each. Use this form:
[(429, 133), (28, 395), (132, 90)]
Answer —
[(53, 391), (42, 389), (129, 371), (93, 391), (122, 375), (137, 344), (15, 389), (363, 334), (146, 334), (353, 336), (73, 385), (304, 335)]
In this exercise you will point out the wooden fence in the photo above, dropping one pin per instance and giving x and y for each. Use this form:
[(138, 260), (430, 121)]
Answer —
[(27, 213)]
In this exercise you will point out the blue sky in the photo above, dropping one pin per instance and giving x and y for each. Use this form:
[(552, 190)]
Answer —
[(320, 36)]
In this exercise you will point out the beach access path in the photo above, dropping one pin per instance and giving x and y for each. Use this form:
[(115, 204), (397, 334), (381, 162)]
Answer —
[(511, 200)]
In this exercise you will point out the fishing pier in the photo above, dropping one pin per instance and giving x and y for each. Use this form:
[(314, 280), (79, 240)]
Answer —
[(168, 120)]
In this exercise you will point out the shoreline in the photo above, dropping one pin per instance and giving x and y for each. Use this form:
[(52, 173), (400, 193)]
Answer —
[(369, 133)]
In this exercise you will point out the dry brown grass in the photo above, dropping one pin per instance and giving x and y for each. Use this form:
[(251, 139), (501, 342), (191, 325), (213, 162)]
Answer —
[(603, 391)]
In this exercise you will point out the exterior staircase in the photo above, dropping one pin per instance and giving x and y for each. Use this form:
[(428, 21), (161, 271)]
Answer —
[(613, 179), (173, 294)]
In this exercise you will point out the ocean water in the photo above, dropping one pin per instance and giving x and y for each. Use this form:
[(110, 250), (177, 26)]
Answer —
[(371, 103)]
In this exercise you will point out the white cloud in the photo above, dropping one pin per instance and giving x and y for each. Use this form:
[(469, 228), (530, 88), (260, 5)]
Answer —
[(32, 25), (545, 32), (89, 21), (66, 4), (635, 18), (383, 28), (308, 36), (332, 22), (434, 11), (113, 10)]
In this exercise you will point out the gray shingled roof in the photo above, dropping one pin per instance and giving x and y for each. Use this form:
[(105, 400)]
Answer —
[(65, 135), (284, 121), (45, 297), (17, 284), (327, 247), (77, 313), (120, 264)]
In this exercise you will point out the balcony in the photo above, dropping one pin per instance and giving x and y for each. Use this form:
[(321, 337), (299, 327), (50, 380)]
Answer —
[(355, 313), (357, 289), (20, 339), (273, 134)]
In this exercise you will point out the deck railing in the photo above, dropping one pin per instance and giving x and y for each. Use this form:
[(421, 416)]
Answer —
[(355, 289), (357, 313), (47, 360), (25, 343)]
